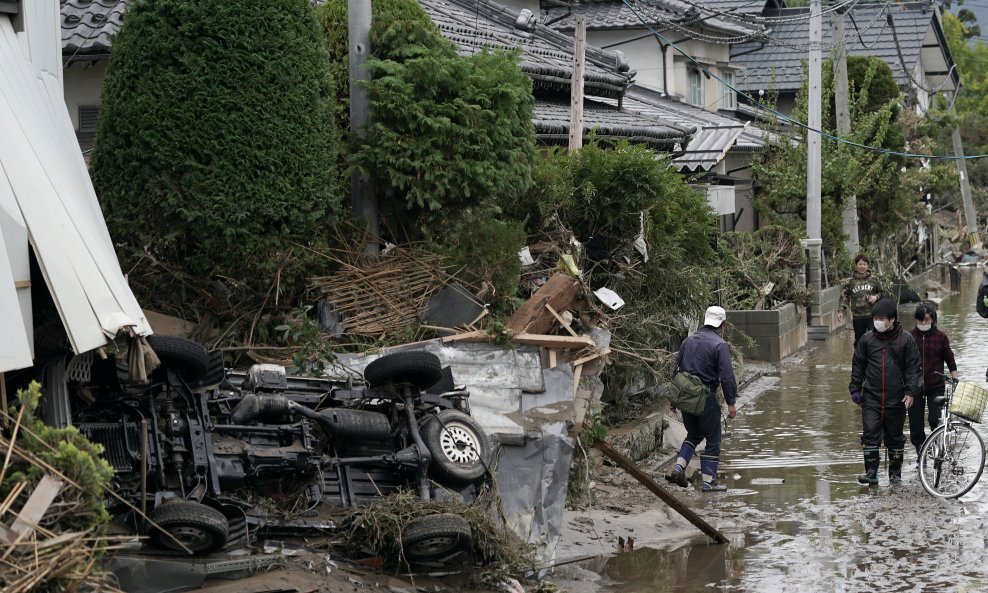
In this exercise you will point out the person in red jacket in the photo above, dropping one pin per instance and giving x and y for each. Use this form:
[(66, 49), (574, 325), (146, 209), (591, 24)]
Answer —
[(934, 352)]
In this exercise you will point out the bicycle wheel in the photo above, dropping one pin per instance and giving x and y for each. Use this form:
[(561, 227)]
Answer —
[(951, 460)]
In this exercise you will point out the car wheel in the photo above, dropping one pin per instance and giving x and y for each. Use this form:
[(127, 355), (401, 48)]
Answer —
[(459, 447), (200, 528), (185, 356), (435, 537), (418, 368)]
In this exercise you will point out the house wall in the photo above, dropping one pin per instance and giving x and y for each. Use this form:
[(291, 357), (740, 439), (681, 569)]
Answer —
[(733, 163), (83, 84)]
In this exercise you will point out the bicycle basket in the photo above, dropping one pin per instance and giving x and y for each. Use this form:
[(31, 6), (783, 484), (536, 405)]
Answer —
[(969, 401)]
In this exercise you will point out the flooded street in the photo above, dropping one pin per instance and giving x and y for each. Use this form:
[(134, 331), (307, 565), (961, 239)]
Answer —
[(797, 518)]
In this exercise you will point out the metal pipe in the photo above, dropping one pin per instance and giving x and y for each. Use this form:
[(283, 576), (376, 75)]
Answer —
[(144, 470)]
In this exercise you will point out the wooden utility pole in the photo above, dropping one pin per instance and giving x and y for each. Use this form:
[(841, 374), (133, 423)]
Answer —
[(850, 214), (576, 85), (970, 216), (625, 464), (363, 201)]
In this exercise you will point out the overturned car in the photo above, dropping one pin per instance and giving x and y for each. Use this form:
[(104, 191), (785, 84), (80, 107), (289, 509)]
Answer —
[(193, 445)]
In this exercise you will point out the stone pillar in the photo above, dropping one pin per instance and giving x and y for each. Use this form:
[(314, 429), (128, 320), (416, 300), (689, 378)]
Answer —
[(814, 250)]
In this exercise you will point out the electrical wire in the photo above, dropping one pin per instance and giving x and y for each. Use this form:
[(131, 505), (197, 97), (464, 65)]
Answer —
[(785, 118)]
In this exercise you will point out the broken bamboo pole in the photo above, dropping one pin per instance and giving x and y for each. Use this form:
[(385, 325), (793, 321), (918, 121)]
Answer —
[(667, 498)]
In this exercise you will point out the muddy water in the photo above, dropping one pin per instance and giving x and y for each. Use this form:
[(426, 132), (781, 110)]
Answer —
[(796, 517)]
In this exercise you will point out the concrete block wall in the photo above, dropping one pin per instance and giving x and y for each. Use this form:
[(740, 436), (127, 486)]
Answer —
[(827, 302), (775, 334)]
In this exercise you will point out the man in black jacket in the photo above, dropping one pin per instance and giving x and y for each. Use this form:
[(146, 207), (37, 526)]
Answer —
[(885, 374)]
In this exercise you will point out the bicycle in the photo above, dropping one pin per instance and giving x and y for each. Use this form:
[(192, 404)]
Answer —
[(952, 458)]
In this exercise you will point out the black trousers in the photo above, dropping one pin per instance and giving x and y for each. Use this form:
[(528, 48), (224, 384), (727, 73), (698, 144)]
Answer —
[(918, 413), (861, 326), (879, 425)]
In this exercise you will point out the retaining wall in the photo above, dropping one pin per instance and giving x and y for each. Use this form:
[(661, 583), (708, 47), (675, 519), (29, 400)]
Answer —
[(775, 334)]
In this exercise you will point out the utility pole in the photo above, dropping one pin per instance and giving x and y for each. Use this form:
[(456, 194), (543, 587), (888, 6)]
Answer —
[(970, 216), (813, 245), (363, 201), (576, 85), (850, 213)]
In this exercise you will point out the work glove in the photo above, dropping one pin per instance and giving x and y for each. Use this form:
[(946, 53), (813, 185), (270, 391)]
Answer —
[(855, 395)]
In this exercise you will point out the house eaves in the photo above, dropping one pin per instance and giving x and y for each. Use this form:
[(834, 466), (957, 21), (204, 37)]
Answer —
[(607, 122), (546, 54), (716, 134), (778, 65), (603, 15), (86, 27)]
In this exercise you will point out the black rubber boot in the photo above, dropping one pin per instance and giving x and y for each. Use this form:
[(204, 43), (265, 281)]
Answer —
[(871, 461), (895, 465)]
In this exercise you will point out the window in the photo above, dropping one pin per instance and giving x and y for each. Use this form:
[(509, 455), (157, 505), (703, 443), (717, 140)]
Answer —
[(729, 98), (694, 87)]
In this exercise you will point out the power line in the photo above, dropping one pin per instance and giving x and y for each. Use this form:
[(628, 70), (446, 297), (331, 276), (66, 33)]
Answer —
[(787, 118)]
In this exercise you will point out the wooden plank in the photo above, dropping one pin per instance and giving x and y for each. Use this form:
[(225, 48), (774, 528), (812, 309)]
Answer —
[(560, 292), (589, 357), (37, 504), (667, 498), (562, 342), (580, 404), (561, 321)]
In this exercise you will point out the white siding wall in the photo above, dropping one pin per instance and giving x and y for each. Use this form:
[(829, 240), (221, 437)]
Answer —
[(83, 83)]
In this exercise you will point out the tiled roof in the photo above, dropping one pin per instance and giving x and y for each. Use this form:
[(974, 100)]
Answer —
[(88, 24), (547, 55), (607, 122), (779, 64), (615, 14)]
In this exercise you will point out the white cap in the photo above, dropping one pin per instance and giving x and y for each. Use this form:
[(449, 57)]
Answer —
[(714, 316)]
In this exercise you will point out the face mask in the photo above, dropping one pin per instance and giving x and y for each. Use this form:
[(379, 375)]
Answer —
[(924, 327), (881, 326)]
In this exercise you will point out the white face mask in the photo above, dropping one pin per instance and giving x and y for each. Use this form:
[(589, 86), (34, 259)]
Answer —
[(881, 326), (924, 327)]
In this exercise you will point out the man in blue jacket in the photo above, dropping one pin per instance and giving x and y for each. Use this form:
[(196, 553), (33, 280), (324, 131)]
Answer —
[(706, 355)]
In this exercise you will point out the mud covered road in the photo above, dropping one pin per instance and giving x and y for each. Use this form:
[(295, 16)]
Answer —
[(797, 519)]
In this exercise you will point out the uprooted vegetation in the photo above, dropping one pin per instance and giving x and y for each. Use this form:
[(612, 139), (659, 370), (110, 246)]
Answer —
[(760, 270), (61, 553), (378, 528)]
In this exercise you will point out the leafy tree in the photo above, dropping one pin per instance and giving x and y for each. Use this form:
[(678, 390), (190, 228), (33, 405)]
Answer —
[(847, 170), (451, 137), (215, 147)]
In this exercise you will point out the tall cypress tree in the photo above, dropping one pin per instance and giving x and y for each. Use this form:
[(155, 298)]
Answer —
[(215, 148)]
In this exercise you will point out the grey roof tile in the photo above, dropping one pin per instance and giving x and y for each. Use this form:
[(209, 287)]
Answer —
[(607, 122), (614, 14), (779, 65), (88, 24), (547, 55)]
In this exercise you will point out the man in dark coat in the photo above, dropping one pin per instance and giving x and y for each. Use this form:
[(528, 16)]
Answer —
[(706, 355), (885, 374)]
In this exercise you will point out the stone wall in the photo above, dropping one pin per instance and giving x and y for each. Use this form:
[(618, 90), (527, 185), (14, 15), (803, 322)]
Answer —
[(775, 334)]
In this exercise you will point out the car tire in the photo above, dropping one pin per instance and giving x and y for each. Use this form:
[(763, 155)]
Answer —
[(435, 537), (459, 447), (200, 528), (185, 356), (417, 368)]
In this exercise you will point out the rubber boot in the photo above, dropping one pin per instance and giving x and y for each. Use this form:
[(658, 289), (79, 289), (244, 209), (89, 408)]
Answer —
[(871, 461), (895, 465), (678, 475), (708, 471)]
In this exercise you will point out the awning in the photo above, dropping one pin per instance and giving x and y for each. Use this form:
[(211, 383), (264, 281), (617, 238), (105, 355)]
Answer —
[(48, 200)]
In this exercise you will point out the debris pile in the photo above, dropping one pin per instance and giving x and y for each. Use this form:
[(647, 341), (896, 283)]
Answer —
[(52, 520)]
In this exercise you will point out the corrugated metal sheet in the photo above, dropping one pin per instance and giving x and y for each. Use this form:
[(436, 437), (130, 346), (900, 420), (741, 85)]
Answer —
[(54, 197)]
